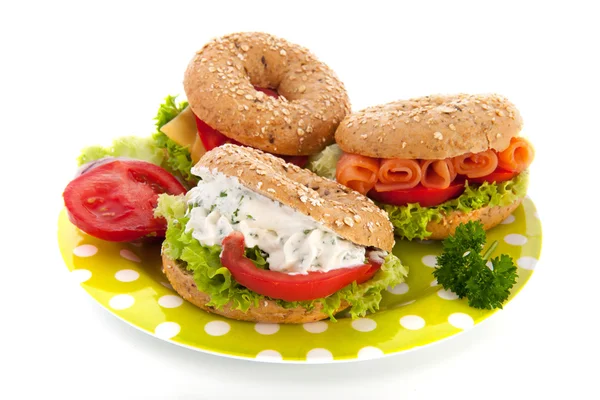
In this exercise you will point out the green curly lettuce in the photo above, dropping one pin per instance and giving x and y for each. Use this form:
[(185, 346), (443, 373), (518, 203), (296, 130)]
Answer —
[(324, 162), (138, 148), (214, 279), (179, 159), (411, 221)]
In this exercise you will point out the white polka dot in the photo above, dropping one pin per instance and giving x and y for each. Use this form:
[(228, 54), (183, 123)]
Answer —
[(269, 355), (170, 301), (266, 329), (319, 355), (369, 352), (398, 289), (447, 294), (167, 330), (81, 275), (364, 324), (412, 322), (508, 220), (315, 327), (429, 260), (129, 255), (121, 301), (85, 250), (433, 283), (515, 239), (217, 328), (127, 275), (527, 262), (461, 320), (167, 285)]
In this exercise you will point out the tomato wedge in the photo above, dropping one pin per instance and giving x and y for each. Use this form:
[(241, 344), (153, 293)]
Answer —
[(426, 197), (115, 201), (499, 175), (279, 285), (212, 138)]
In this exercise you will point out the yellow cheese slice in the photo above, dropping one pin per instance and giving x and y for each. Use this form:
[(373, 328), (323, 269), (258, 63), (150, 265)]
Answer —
[(197, 150), (182, 129)]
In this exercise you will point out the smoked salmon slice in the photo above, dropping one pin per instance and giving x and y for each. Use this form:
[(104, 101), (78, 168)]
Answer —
[(518, 156), (476, 165), (399, 174), (357, 172), (437, 174)]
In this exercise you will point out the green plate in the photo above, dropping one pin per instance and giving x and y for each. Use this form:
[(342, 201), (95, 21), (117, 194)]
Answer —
[(127, 280)]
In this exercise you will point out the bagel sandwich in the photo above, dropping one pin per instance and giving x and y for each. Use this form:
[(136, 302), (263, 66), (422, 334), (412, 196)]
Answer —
[(437, 161), (256, 90), (259, 239)]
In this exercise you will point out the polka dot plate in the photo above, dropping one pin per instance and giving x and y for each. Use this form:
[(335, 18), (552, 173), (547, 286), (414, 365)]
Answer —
[(127, 280)]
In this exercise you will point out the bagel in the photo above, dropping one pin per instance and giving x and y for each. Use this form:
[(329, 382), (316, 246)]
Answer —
[(220, 83), (267, 311), (414, 157), (299, 222)]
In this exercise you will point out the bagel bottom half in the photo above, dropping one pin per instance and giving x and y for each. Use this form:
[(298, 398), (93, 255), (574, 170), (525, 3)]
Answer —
[(488, 216), (268, 311)]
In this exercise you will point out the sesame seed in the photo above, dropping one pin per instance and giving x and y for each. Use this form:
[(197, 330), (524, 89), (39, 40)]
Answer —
[(357, 218), (245, 47), (452, 127), (303, 198), (339, 222), (302, 88), (348, 221), (438, 135), (271, 190), (282, 52), (363, 136), (211, 69), (403, 144), (249, 97), (300, 132)]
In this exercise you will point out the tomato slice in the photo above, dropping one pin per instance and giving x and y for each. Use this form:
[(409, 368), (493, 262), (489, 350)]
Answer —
[(212, 138), (279, 285), (426, 197), (115, 201), (499, 175)]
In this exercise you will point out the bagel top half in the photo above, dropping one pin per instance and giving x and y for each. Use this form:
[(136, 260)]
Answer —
[(431, 127), (347, 213), (220, 86)]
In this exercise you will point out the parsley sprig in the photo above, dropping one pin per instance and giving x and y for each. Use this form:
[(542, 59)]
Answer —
[(463, 269)]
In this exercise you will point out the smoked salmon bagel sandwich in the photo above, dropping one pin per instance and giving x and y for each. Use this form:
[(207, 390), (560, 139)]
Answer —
[(437, 161), (259, 239), (256, 90)]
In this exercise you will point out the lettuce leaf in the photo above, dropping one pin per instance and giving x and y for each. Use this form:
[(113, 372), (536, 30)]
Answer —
[(411, 221), (178, 158), (128, 146), (324, 163), (214, 279)]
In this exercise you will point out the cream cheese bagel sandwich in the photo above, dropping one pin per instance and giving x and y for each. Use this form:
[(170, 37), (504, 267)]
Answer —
[(261, 91), (437, 161), (259, 239)]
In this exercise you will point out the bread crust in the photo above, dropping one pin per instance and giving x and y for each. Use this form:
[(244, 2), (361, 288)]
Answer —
[(431, 127), (268, 311), (219, 84), (489, 217), (340, 209)]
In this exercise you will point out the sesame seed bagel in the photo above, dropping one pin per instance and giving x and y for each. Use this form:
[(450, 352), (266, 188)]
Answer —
[(488, 216), (219, 84), (268, 311), (431, 127), (340, 209)]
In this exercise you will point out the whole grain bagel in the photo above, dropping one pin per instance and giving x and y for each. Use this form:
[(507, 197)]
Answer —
[(431, 127), (219, 84), (488, 216), (268, 311), (340, 209)]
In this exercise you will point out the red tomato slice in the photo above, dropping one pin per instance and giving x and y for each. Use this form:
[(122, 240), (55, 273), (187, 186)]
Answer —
[(426, 197), (212, 138), (279, 285), (115, 201), (499, 175)]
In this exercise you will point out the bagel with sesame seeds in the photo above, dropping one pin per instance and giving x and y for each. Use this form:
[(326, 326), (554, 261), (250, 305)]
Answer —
[(435, 160), (262, 91), (258, 235)]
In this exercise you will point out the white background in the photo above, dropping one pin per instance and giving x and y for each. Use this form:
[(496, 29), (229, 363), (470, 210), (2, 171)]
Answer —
[(79, 74)]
